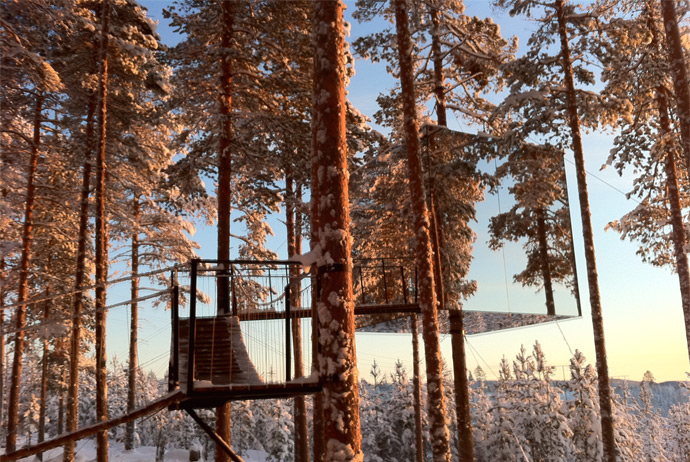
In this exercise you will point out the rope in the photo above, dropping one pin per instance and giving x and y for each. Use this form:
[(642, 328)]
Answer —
[(83, 313), (95, 286)]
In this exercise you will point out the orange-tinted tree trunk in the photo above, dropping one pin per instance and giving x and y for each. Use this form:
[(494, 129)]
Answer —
[(588, 237), (223, 419), (133, 330), (680, 84), (292, 223), (462, 395), (102, 242), (23, 290), (679, 73), (338, 368), (78, 303), (440, 438)]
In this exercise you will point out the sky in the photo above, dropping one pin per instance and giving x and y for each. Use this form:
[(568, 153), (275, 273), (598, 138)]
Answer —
[(643, 320)]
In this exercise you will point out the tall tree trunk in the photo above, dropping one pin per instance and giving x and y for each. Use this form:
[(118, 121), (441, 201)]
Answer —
[(679, 72), (439, 88), (294, 248), (78, 302), (544, 261), (102, 241), (588, 237), (678, 227), (317, 411), (462, 395), (680, 83), (133, 330), (43, 398), (23, 291), (223, 418), (427, 297), (336, 303), (417, 392)]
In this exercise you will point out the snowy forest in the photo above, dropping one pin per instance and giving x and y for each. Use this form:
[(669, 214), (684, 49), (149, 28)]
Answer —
[(117, 146)]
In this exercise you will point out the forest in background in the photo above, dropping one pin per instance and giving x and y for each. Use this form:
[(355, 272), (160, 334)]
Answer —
[(113, 146)]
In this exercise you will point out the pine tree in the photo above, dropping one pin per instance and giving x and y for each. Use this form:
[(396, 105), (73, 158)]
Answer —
[(543, 89), (651, 431), (583, 410), (427, 296), (626, 412), (331, 227)]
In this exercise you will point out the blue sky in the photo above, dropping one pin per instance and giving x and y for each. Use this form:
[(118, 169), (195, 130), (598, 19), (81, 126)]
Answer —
[(641, 304)]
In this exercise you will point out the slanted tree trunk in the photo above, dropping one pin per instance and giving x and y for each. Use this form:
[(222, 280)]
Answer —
[(679, 73), (223, 419), (133, 329), (295, 248), (462, 395), (677, 225), (680, 84), (343, 440), (440, 443), (588, 237), (23, 290), (544, 261), (102, 241), (678, 233)]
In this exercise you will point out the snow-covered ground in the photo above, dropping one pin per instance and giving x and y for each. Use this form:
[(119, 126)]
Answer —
[(86, 452)]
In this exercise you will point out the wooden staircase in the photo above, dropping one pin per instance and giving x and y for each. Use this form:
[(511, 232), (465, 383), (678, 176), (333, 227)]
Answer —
[(220, 355)]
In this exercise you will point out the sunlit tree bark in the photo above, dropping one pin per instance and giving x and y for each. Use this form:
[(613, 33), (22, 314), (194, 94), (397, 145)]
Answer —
[(588, 237), (102, 240), (335, 305), (440, 438), (23, 290)]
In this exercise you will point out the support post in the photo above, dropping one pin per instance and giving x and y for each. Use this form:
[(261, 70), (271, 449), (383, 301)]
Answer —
[(174, 372), (288, 330), (214, 436), (192, 326)]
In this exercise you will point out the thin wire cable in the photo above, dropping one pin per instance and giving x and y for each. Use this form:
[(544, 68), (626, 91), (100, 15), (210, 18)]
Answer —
[(606, 183), (95, 286), (473, 350), (564, 338), (503, 249), (41, 323)]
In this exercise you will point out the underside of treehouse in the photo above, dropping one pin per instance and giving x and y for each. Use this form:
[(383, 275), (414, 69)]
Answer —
[(247, 329)]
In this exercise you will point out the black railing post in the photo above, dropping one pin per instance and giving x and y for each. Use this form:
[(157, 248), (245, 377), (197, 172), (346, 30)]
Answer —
[(361, 286), (174, 367), (288, 331), (404, 285), (192, 325), (385, 283), (232, 288)]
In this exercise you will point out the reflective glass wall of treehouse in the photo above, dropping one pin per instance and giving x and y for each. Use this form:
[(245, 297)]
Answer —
[(523, 269)]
